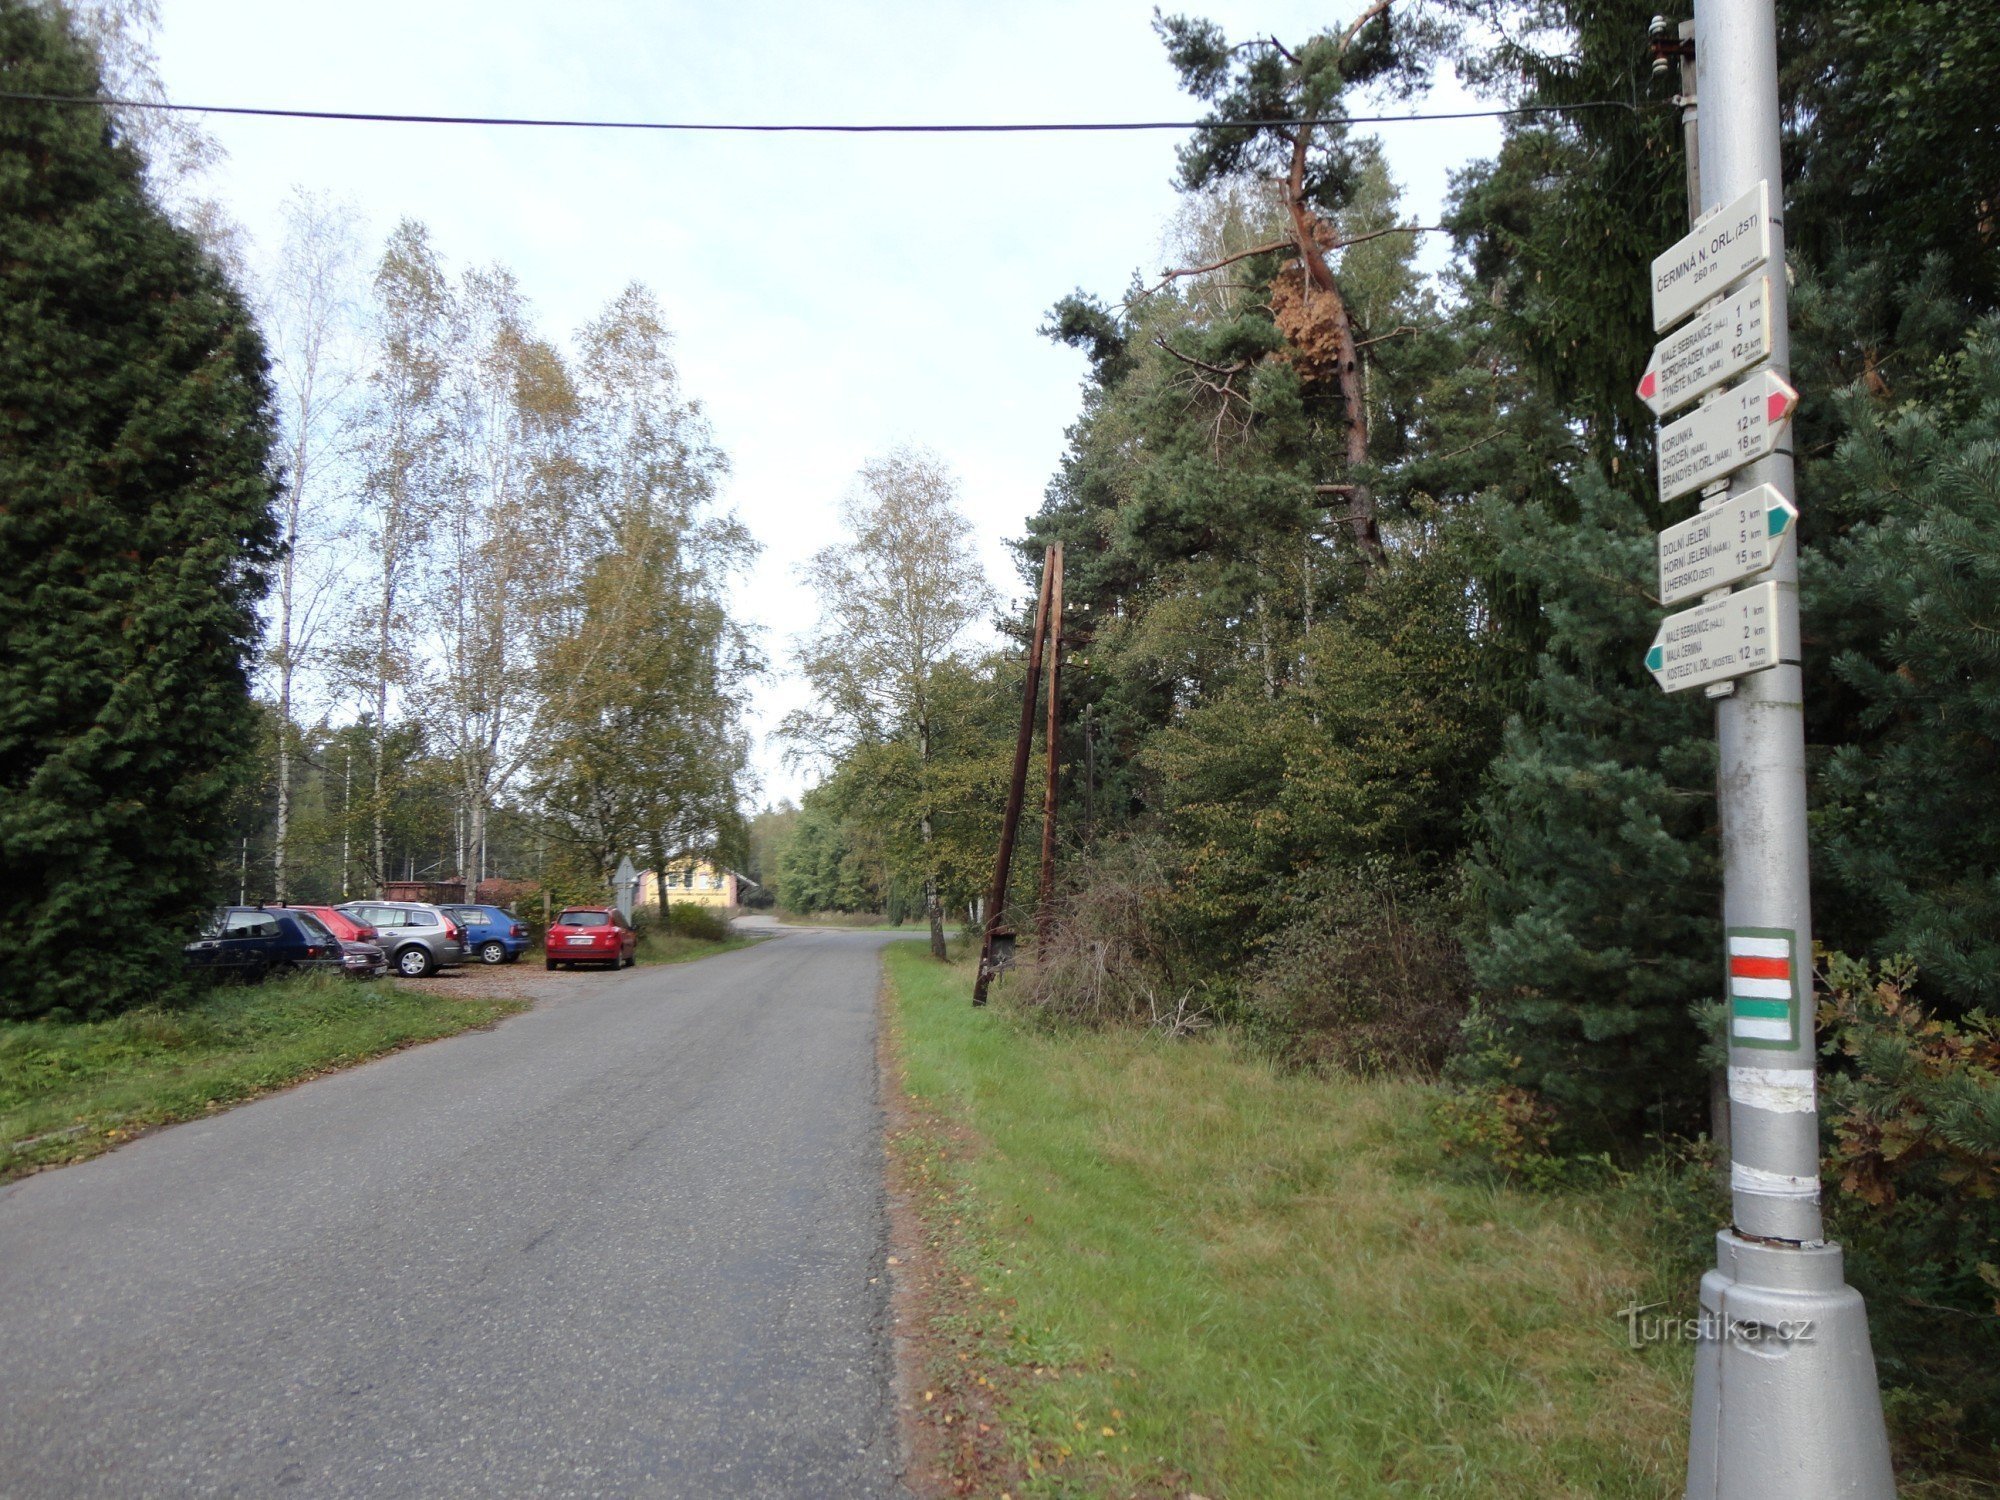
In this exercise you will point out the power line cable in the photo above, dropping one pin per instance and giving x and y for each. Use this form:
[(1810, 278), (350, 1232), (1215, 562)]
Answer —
[(732, 128)]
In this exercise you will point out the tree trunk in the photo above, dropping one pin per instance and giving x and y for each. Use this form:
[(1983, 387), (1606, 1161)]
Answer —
[(379, 751), (933, 907), (278, 890), (1361, 520), (475, 851)]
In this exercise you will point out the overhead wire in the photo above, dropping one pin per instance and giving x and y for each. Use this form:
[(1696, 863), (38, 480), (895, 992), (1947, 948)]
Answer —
[(728, 127)]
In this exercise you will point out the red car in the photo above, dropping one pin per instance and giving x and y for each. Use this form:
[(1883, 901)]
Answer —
[(591, 935), (343, 924)]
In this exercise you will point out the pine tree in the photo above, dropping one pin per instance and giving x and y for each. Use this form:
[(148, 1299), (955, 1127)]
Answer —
[(135, 514), (1907, 824)]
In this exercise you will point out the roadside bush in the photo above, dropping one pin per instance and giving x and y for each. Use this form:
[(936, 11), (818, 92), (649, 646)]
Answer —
[(1912, 1131), (1368, 977), (1109, 960), (705, 924)]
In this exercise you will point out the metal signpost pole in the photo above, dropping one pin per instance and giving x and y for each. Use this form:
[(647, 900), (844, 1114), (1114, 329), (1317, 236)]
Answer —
[(1786, 1405)]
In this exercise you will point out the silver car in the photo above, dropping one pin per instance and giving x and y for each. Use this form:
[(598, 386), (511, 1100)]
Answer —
[(418, 938)]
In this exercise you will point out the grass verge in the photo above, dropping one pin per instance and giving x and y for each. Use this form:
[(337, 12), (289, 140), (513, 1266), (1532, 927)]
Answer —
[(70, 1090), (1166, 1268)]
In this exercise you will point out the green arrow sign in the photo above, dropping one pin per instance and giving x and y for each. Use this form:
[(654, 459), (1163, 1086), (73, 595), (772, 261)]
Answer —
[(1721, 545)]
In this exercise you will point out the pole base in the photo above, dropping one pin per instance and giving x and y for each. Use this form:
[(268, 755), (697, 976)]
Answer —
[(1786, 1405)]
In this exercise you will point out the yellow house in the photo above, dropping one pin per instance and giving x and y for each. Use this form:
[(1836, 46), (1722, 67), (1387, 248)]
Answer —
[(692, 882)]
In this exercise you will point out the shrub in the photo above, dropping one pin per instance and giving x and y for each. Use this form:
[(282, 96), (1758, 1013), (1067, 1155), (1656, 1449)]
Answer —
[(1366, 978), (1912, 1130), (685, 919), (1109, 959)]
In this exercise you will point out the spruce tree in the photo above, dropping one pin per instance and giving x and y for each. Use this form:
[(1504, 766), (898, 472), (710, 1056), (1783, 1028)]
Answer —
[(135, 518)]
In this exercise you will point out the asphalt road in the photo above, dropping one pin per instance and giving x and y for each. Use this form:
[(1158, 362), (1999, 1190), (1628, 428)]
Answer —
[(630, 1243)]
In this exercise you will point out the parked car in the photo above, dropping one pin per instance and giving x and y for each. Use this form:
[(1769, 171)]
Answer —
[(591, 935), (248, 942), (419, 938), (344, 925), (363, 960), (493, 935)]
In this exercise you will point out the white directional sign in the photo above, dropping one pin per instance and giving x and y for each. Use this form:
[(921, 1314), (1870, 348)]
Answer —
[(1714, 642), (1714, 549), (1724, 247), (1719, 437), (1722, 343)]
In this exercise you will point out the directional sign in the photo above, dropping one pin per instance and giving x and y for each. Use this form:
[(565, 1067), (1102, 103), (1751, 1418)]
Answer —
[(1722, 343), (1719, 437), (1723, 248), (1713, 642), (1714, 549)]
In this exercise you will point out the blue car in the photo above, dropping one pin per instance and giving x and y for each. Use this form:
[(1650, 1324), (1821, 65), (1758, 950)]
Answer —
[(493, 934), (248, 942)]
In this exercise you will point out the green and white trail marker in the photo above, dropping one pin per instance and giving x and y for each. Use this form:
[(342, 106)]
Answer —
[(1729, 542), (1731, 637)]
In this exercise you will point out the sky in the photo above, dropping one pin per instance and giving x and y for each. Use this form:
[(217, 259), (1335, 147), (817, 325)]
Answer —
[(831, 296)]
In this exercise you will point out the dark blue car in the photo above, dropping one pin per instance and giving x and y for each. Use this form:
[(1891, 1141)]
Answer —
[(493, 935), (248, 942)]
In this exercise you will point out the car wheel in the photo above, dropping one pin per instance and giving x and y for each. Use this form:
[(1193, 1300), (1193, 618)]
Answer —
[(628, 960), (415, 963), (493, 953), (552, 965)]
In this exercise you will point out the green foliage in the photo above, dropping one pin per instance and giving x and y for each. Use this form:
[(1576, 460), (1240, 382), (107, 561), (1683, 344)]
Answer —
[(1365, 977), (706, 923), (1596, 869), (1891, 129), (1908, 828), (1369, 753), (1912, 1117), (825, 864), (134, 460)]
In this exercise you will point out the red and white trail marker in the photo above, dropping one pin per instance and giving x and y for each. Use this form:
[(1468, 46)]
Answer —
[(1718, 345), (1719, 437)]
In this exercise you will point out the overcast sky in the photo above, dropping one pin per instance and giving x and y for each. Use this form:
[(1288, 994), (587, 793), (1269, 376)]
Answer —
[(831, 296)]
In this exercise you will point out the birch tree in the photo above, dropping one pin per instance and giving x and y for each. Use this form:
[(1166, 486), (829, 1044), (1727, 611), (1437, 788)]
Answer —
[(512, 407), (639, 745), (403, 425), (897, 600), (308, 312)]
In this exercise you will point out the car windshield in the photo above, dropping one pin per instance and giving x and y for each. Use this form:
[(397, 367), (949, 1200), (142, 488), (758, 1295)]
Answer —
[(585, 918), (314, 927)]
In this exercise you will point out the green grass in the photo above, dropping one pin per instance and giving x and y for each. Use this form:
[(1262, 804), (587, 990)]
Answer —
[(1266, 1285), (69, 1090)]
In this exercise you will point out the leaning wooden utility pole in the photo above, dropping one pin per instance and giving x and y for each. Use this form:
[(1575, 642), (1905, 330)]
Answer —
[(1045, 888), (996, 898)]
